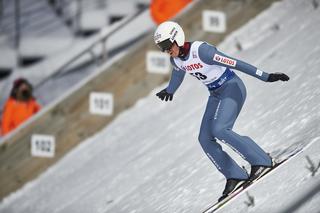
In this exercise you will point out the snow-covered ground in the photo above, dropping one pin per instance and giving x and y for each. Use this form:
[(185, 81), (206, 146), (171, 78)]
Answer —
[(149, 160), (272, 195)]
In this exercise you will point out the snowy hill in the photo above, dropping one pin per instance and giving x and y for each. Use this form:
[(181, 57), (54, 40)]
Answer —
[(289, 188), (149, 160)]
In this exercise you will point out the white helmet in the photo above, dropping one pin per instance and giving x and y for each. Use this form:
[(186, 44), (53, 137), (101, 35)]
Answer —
[(167, 33)]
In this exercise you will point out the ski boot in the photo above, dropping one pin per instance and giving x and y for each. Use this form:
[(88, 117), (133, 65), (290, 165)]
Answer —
[(231, 185), (258, 171)]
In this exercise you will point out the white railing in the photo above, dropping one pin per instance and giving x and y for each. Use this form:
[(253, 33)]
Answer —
[(63, 63), (88, 49)]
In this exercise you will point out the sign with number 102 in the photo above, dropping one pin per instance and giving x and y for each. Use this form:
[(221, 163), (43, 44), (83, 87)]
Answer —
[(101, 103), (42, 146)]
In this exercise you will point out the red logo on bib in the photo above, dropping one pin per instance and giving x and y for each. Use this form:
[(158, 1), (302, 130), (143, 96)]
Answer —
[(192, 67)]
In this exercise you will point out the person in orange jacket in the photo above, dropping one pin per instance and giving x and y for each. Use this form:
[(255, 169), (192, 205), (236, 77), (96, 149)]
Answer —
[(163, 10), (20, 106)]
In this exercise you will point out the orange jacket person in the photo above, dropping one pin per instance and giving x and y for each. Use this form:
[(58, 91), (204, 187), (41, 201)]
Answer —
[(19, 107), (163, 10)]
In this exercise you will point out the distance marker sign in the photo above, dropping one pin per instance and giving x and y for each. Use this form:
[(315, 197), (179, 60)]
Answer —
[(43, 145), (214, 21), (158, 62), (101, 103)]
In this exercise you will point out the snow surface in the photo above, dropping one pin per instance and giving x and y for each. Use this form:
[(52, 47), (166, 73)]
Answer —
[(271, 196), (149, 160)]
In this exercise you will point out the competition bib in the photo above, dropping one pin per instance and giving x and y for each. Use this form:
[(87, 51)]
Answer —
[(206, 73)]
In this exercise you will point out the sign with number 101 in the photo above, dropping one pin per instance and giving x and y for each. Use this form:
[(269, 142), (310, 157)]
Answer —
[(101, 103)]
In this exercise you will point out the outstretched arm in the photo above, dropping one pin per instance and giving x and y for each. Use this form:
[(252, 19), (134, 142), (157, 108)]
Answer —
[(209, 54), (176, 79)]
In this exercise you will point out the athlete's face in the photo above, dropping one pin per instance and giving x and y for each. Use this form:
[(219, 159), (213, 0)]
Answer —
[(174, 50)]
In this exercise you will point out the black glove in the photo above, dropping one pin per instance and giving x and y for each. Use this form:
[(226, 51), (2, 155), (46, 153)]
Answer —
[(164, 95), (278, 76)]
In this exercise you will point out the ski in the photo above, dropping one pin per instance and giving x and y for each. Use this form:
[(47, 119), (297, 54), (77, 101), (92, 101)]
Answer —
[(247, 184)]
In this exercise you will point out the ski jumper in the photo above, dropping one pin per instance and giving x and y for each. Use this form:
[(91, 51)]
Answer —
[(227, 96)]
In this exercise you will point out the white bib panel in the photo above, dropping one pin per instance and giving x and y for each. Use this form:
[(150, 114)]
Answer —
[(193, 65)]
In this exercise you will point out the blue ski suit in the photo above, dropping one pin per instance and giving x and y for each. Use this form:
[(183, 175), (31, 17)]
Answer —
[(227, 96)]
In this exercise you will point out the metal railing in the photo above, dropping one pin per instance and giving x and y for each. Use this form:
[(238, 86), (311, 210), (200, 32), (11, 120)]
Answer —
[(100, 39), (88, 49)]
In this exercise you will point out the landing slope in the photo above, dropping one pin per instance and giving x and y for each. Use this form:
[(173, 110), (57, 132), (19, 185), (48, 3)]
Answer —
[(149, 160)]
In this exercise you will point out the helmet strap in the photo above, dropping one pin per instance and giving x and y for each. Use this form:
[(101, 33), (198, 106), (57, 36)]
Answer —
[(184, 50)]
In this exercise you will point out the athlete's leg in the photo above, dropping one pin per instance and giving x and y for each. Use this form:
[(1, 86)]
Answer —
[(231, 100), (224, 163)]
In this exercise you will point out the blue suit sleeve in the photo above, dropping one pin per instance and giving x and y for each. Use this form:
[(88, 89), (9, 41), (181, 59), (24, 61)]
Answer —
[(210, 55), (176, 79)]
